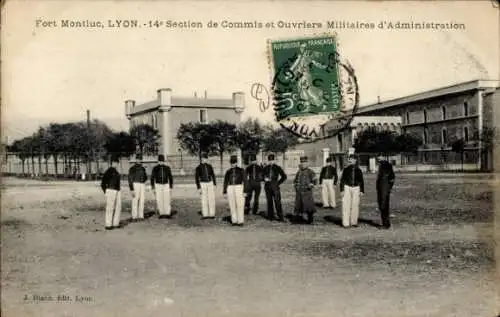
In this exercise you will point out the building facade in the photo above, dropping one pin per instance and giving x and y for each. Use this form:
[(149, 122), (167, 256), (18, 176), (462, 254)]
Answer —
[(166, 114)]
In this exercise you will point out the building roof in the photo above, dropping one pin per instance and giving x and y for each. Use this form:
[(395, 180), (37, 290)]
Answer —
[(185, 102), (439, 92)]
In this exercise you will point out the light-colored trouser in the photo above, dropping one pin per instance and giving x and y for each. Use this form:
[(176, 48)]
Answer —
[(138, 201), (236, 203), (328, 193), (350, 206), (162, 195), (207, 199), (113, 207)]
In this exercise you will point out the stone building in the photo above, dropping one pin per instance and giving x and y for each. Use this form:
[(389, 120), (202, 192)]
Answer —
[(167, 112)]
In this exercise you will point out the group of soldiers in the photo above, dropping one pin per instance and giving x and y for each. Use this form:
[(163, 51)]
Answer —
[(242, 186)]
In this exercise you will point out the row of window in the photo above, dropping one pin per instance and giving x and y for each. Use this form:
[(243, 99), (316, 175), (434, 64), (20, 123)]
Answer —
[(153, 120), (444, 115), (444, 135)]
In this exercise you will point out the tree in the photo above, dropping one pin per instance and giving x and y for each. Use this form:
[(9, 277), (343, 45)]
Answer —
[(458, 146), (487, 137), (374, 141), (196, 138), (19, 147), (250, 135), (408, 143), (278, 140), (120, 144), (224, 138), (146, 138)]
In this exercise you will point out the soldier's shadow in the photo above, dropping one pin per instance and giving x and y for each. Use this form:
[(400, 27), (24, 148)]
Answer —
[(338, 221)]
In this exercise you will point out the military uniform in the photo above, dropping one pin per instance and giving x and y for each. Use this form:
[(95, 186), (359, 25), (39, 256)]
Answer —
[(110, 185), (254, 179), (205, 182), (384, 184), (162, 183), (234, 188), (328, 179), (352, 186), (304, 182), (137, 178), (274, 176)]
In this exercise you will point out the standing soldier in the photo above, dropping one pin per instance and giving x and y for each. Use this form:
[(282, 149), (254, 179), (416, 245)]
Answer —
[(351, 187), (137, 178), (304, 182), (110, 185), (205, 182), (327, 179), (385, 182), (274, 176), (234, 188), (162, 183), (253, 174)]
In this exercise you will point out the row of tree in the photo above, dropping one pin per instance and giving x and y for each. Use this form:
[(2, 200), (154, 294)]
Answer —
[(79, 142), (83, 142)]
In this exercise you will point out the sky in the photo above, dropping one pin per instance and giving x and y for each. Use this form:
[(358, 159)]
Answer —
[(54, 74)]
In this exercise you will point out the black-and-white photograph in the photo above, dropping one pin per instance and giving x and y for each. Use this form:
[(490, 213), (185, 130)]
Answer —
[(250, 158)]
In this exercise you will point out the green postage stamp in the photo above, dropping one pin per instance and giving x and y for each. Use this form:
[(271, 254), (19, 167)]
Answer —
[(306, 76), (315, 92)]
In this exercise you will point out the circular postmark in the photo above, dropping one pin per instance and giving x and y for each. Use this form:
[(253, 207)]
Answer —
[(315, 94)]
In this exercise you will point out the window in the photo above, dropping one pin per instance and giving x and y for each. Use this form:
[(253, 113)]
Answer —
[(444, 136), (407, 118), (425, 115), (203, 116), (155, 121), (339, 142), (466, 134), (426, 136), (466, 109), (443, 112)]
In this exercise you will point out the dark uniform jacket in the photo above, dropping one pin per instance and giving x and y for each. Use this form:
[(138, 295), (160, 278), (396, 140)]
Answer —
[(352, 176), (204, 173), (161, 174), (254, 174), (234, 176), (136, 174), (275, 174), (111, 179), (328, 172), (385, 175), (304, 179)]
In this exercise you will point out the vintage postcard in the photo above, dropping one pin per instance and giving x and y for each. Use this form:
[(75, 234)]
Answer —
[(250, 158)]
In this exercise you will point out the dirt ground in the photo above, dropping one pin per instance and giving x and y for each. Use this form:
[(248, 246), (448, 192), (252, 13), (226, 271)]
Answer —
[(438, 260)]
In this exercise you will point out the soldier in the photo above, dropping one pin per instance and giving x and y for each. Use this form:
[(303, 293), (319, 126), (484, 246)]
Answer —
[(351, 187), (253, 174), (304, 182), (162, 183), (205, 182), (327, 179), (385, 182), (234, 188), (110, 185), (274, 176), (137, 178)]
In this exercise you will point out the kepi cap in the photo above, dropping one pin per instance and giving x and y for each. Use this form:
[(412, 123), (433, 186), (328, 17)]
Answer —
[(233, 159), (303, 159), (161, 158), (270, 157)]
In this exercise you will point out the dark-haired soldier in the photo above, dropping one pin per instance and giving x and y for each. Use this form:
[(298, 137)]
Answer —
[(205, 182), (137, 178), (253, 174), (385, 182), (234, 188), (352, 186), (110, 185), (162, 183), (274, 176), (327, 179), (304, 182)]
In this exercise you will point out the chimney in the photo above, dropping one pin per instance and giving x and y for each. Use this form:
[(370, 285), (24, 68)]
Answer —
[(205, 94), (129, 107), (239, 101), (165, 97), (378, 99)]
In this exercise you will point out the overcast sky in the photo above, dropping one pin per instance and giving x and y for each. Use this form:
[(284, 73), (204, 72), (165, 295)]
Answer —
[(55, 74)]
